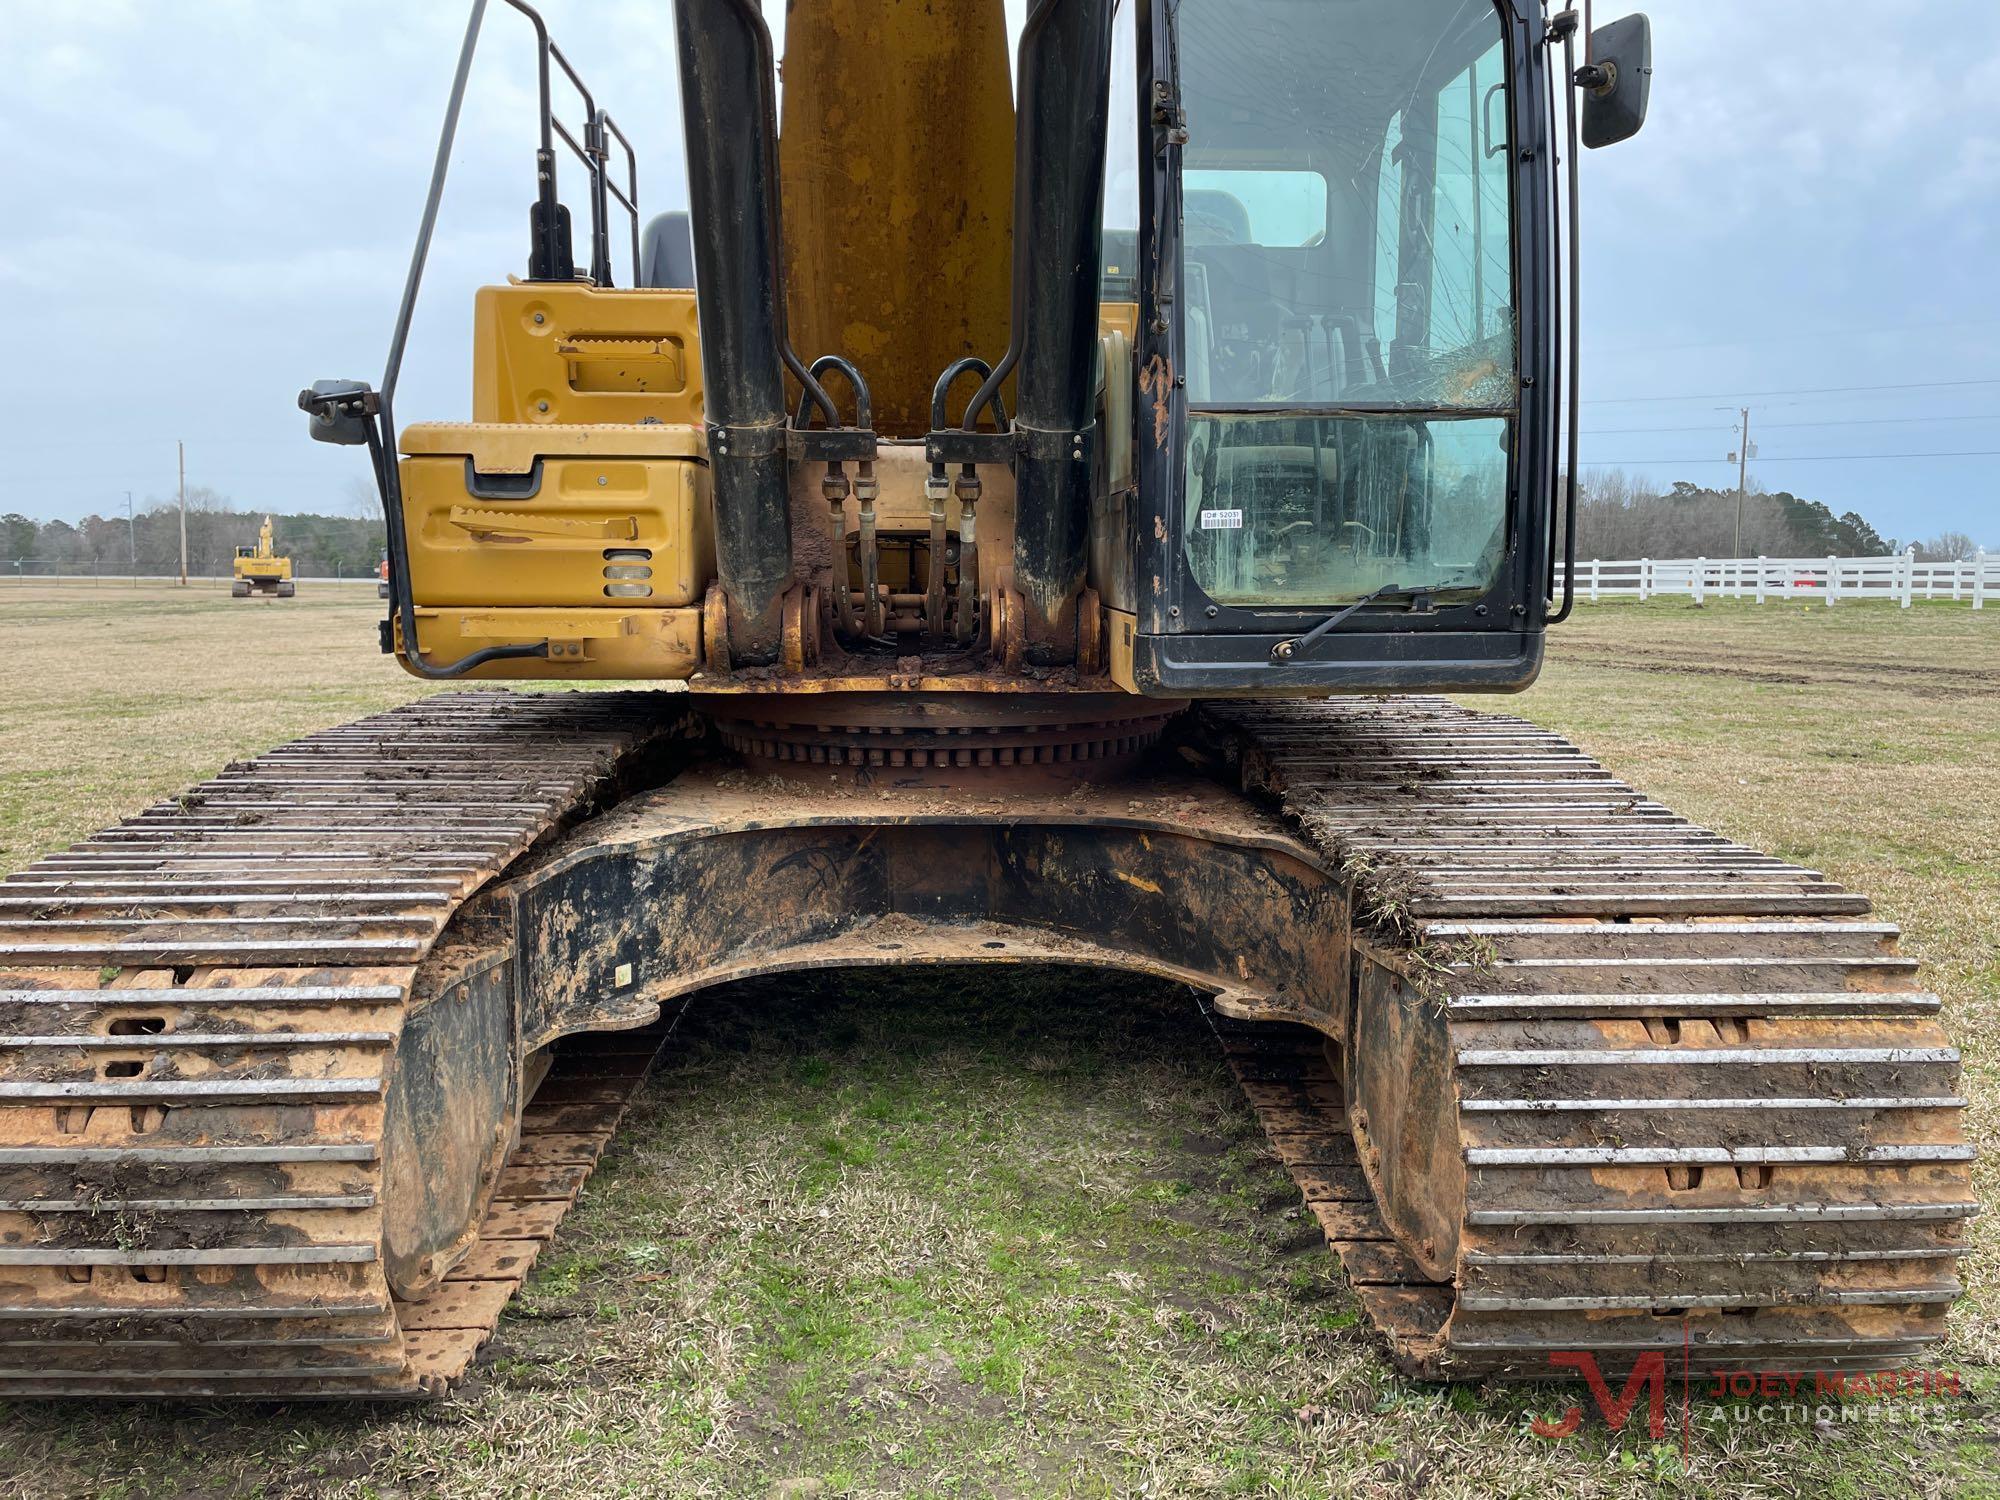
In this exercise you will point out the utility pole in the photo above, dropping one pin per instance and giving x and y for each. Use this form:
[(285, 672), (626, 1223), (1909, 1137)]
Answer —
[(132, 534), (1742, 471), (181, 448)]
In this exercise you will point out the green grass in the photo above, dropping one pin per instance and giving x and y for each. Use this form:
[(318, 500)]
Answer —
[(942, 1234)]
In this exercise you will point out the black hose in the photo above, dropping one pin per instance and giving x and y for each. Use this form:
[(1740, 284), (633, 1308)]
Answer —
[(864, 404), (941, 394)]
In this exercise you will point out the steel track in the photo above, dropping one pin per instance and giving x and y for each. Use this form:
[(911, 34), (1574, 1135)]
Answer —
[(199, 1016), (1699, 1097), (1702, 1102)]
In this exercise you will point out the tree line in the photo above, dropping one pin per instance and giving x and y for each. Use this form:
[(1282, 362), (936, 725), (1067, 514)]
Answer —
[(319, 546), (1618, 516)]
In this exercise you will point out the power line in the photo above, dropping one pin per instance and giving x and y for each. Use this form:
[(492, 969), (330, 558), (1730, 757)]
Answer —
[(1803, 458), (230, 440), (1988, 416), (115, 477), (1807, 391), (1809, 336)]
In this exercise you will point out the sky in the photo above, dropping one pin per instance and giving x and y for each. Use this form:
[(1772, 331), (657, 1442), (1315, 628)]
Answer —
[(211, 204)]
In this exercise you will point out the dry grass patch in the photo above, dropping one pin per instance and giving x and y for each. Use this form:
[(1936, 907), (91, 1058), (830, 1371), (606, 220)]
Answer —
[(119, 695)]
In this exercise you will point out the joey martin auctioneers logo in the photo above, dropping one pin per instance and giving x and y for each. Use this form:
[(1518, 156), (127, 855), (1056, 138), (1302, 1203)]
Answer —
[(1820, 1397)]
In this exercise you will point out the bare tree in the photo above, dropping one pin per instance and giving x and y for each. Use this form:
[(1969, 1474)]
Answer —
[(1946, 546), (360, 501), (1621, 517)]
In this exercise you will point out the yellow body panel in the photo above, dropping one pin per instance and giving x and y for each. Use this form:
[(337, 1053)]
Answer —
[(591, 528), (512, 448), (590, 644), (896, 160), (550, 353), (1120, 628), (607, 531), (263, 569)]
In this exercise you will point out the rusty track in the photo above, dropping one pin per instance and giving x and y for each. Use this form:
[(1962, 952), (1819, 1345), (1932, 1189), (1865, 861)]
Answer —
[(1697, 1095), (200, 1014), (1559, 1071)]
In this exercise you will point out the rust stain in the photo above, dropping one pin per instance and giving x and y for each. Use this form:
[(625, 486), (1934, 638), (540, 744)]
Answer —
[(1157, 380)]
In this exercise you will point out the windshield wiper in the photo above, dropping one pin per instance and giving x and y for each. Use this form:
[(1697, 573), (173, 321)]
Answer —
[(1420, 594)]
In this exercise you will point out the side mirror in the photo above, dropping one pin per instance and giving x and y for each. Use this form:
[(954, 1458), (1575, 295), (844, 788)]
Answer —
[(1617, 80), (339, 410)]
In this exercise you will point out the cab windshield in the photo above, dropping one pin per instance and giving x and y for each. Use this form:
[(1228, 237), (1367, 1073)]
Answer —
[(1346, 229)]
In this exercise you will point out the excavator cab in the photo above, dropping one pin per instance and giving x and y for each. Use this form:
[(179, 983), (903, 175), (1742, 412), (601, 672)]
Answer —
[(1348, 375)]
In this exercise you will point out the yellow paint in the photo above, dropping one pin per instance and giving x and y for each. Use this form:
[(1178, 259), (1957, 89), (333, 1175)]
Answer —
[(546, 353), (555, 548), (506, 448), (897, 173), (1123, 629), (1139, 881), (640, 644)]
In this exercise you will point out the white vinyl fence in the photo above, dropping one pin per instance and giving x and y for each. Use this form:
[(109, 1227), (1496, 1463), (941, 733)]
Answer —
[(1900, 578)]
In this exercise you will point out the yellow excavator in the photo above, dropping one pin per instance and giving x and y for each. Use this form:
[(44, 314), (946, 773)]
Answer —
[(1056, 498), (260, 570)]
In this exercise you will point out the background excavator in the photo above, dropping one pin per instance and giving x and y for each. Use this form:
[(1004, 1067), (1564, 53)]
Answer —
[(260, 570), (1048, 491)]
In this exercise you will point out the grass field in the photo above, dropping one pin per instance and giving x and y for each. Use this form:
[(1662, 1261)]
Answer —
[(955, 1235)]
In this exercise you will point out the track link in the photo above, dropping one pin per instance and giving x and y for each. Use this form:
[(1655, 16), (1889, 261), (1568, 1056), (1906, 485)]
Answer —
[(1700, 1100), (200, 1010)]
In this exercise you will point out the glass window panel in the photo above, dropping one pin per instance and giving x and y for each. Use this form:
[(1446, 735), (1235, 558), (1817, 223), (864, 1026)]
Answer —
[(1120, 282), (1300, 510), (1394, 290), (1261, 207)]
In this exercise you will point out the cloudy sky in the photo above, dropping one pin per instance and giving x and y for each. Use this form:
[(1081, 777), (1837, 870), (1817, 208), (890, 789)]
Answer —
[(210, 203)]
